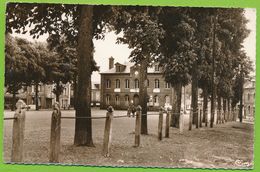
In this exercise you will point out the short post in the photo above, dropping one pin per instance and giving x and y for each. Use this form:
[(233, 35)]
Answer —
[(138, 126), (108, 132), (160, 123), (55, 134), (18, 132), (181, 122), (167, 125)]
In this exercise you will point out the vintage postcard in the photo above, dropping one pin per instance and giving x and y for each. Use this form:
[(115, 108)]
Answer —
[(130, 86)]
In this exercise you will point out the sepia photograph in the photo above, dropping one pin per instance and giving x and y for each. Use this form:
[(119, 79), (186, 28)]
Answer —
[(129, 86)]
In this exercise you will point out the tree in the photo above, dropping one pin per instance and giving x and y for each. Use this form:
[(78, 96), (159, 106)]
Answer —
[(141, 32), (59, 20), (32, 73), (15, 68), (177, 52)]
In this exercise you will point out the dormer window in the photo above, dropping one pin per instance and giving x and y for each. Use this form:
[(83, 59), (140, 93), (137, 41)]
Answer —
[(156, 68), (118, 68)]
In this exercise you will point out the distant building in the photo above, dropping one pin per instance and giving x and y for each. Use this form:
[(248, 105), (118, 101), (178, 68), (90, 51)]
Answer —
[(120, 86), (249, 98), (46, 97)]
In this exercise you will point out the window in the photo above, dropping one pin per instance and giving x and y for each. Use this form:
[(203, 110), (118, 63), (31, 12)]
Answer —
[(117, 83), (107, 99), (117, 100), (126, 83), (156, 99), (108, 83), (136, 83), (167, 85), (156, 68), (126, 98), (157, 83), (118, 68)]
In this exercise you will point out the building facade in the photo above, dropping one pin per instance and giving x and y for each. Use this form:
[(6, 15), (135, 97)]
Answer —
[(120, 86), (249, 98), (46, 97)]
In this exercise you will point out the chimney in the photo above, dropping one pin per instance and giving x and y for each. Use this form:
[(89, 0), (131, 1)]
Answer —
[(111, 62)]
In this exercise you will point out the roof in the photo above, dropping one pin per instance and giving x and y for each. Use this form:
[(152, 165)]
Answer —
[(128, 66)]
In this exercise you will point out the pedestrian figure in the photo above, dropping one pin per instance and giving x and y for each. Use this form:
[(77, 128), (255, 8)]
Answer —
[(131, 110)]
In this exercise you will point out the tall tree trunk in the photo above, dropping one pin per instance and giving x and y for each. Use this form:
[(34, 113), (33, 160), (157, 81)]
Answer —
[(194, 94), (213, 89), (13, 100), (75, 85), (58, 91), (143, 94), (174, 105), (83, 126), (219, 110), (224, 110), (37, 95), (228, 108), (205, 106), (241, 99), (178, 92)]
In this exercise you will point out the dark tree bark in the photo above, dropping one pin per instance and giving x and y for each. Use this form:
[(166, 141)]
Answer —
[(174, 105), (143, 95), (57, 93), (83, 126), (75, 85), (13, 100), (241, 99), (194, 92), (178, 91), (36, 95), (219, 110), (228, 108), (213, 89), (224, 109), (205, 106)]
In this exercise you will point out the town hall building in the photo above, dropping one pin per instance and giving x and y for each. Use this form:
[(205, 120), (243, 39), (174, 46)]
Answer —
[(120, 86)]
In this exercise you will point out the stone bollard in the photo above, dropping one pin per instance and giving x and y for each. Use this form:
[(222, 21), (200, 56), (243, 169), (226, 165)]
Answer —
[(138, 126), (167, 125), (181, 122), (55, 134), (160, 123), (18, 132), (108, 132)]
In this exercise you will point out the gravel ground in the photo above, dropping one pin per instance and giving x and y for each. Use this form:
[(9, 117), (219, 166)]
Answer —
[(227, 145)]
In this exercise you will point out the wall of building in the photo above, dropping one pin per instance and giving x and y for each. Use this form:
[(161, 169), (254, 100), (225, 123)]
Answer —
[(118, 95)]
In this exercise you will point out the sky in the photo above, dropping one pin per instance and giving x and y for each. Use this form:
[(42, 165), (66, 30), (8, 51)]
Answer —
[(108, 47)]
